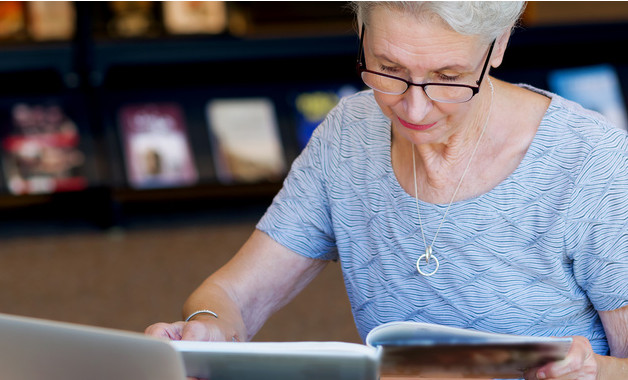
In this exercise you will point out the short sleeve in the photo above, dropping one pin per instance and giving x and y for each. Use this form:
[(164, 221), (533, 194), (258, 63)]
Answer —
[(597, 232), (299, 217)]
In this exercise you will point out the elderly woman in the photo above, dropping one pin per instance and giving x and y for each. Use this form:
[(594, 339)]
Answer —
[(449, 197)]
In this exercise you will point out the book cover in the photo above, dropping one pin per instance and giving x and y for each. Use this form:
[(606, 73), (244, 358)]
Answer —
[(311, 108), (245, 140), (594, 87), (392, 350), (41, 151), (157, 152)]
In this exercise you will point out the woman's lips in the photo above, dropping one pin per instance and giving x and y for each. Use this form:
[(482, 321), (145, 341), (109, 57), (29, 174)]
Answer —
[(416, 127)]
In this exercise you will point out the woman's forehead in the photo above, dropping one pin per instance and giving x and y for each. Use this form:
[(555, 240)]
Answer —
[(405, 39), (396, 24)]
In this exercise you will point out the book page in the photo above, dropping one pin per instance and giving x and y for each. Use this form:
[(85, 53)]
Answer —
[(279, 360)]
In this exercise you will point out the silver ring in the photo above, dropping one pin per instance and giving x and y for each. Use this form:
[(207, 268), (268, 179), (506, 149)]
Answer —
[(418, 265)]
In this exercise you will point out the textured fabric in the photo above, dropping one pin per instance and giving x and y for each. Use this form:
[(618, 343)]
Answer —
[(536, 255)]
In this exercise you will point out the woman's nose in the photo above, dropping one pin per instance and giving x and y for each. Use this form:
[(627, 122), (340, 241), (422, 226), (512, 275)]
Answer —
[(417, 104)]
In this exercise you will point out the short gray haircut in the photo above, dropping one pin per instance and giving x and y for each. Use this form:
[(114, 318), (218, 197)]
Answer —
[(486, 19)]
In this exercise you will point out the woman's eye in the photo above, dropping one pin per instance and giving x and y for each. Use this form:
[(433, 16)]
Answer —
[(389, 69), (448, 78)]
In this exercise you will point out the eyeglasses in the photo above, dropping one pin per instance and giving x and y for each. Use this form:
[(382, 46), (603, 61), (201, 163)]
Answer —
[(438, 92)]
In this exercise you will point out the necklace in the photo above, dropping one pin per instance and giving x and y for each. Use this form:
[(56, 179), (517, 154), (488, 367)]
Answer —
[(428, 248)]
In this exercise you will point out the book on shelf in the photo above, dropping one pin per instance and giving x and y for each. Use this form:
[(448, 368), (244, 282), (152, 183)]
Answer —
[(131, 19), (157, 153), (288, 18), (245, 140), (50, 20), (41, 150), (392, 349), (12, 20), (312, 106), (195, 17), (594, 87)]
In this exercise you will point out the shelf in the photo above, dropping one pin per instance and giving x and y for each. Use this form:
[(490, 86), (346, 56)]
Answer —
[(204, 191), (181, 51), (57, 58), (567, 45), (192, 70), (37, 57)]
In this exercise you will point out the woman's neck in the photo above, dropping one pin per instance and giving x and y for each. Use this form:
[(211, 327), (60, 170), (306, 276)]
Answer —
[(441, 164), (509, 133)]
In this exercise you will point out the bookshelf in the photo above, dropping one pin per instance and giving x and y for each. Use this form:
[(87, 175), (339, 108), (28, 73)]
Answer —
[(95, 74)]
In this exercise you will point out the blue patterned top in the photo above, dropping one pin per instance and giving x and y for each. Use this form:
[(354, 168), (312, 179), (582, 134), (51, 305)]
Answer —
[(536, 255)]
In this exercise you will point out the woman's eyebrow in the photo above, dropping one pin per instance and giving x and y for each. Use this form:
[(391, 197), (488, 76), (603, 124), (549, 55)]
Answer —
[(455, 66)]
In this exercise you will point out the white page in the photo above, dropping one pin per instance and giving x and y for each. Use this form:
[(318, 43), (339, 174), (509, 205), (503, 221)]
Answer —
[(279, 360)]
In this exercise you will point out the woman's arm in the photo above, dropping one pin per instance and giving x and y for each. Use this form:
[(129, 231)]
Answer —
[(583, 364), (261, 278), (616, 327)]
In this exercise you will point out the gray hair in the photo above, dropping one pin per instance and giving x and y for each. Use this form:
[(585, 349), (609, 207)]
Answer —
[(487, 19)]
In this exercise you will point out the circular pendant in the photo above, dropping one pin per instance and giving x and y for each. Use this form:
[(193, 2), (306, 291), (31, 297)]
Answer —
[(428, 256)]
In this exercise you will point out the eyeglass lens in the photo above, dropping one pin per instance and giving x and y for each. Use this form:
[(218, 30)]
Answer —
[(394, 86)]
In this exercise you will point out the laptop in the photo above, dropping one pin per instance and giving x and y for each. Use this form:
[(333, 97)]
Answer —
[(41, 349)]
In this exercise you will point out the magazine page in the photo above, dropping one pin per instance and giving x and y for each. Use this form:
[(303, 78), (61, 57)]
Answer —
[(413, 348), (157, 153), (41, 150), (279, 360), (245, 140)]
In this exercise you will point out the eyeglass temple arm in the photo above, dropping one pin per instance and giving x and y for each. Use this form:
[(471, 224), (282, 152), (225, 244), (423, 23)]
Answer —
[(361, 49), (488, 58)]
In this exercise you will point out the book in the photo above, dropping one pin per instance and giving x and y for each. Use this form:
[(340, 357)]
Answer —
[(392, 349), (157, 153), (195, 17), (288, 18), (50, 20), (41, 150), (12, 20), (245, 140), (132, 19), (594, 87)]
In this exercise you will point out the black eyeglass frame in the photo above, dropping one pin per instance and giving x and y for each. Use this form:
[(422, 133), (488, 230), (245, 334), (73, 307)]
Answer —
[(361, 68)]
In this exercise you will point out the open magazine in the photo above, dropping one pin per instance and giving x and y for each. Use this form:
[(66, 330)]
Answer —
[(392, 349)]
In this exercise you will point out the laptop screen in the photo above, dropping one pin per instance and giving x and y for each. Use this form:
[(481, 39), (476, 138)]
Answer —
[(41, 349)]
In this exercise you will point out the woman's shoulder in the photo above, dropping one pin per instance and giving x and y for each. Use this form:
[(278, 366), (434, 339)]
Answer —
[(563, 112), (359, 107), (580, 138)]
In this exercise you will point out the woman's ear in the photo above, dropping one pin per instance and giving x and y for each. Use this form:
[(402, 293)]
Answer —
[(500, 48)]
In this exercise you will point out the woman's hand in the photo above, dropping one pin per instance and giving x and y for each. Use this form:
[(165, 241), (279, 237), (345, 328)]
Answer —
[(200, 329), (579, 364)]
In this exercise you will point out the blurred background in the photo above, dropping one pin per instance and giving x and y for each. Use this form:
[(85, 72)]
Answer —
[(141, 141)]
